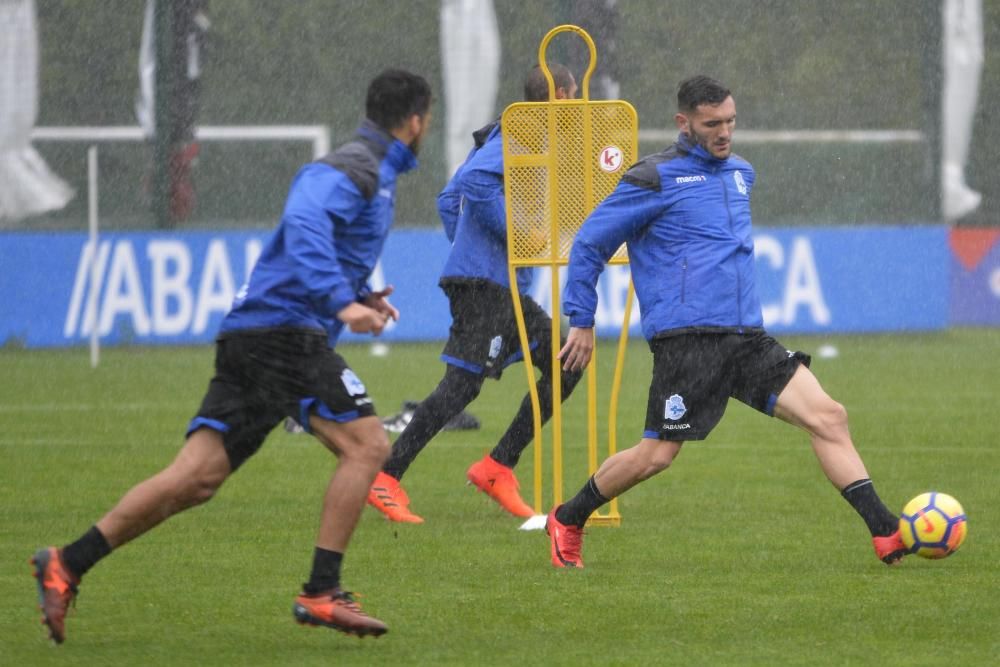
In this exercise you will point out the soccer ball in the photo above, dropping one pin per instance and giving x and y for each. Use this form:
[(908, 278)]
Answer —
[(932, 525)]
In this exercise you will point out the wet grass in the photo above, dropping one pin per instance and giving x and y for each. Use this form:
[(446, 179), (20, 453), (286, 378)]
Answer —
[(741, 554)]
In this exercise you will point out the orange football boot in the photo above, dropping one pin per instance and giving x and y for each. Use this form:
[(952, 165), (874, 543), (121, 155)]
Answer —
[(498, 482), (890, 548), (566, 542), (57, 588), (339, 610), (389, 498)]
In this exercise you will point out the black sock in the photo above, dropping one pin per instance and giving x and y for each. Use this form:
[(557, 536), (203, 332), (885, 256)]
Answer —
[(862, 497), (522, 429), (325, 571), (578, 509), (456, 390), (83, 554)]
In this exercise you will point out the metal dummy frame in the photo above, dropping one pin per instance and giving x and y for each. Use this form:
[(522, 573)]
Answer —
[(553, 179)]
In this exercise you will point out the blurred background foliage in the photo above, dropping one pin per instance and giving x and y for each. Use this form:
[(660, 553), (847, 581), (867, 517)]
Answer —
[(792, 64)]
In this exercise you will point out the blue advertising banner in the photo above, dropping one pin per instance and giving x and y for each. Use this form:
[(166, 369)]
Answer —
[(853, 279), (827, 280), (174, 287), (975, 276)]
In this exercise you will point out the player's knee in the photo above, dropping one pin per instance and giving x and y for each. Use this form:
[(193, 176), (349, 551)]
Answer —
[(193, 479), (199, 487), (465, 391), (659, 461), (469, 394), (380, 448), (656, 459), (831, 419), (369, 445), (203, 492), (459, 386)]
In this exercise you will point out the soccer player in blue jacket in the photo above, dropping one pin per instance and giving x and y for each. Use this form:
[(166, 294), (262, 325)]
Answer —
[(685, 215), (483, 339), (275, 359)]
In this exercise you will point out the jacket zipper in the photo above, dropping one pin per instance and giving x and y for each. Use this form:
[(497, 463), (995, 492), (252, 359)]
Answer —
[(739, 287), (684, 272)]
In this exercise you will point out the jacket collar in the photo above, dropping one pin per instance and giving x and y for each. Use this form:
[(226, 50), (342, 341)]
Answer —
[(482, 135), (397, 153)]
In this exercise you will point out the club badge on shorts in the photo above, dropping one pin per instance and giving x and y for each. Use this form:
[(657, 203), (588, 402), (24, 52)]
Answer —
[(352, 383), (674, 408)]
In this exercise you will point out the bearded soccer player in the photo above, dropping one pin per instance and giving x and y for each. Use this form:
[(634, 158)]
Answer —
[(275, 358), (684, 214)]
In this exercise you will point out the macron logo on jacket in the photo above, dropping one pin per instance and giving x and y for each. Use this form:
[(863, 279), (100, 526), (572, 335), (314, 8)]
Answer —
[(685, 217)]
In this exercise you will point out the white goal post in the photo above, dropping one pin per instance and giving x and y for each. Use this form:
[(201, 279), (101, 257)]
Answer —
[(317, 135), (667, 136)]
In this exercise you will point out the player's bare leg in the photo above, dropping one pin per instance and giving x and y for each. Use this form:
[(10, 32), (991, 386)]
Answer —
[(617, 474), (805, 404), (361, 447), (622, 471), (195, 474), (192, 478)]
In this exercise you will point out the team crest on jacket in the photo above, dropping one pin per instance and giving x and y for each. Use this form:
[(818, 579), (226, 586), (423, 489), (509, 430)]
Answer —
[(352, 383), (674, 408), (741, 185)]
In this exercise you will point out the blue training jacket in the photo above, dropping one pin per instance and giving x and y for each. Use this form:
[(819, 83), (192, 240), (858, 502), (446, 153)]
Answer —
[(685, 216), (473, 211), (335, 222)]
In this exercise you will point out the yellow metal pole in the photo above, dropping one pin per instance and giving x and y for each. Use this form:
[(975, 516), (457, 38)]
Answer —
[(522, 333), (613, 518), (552, 173), (547, 195)]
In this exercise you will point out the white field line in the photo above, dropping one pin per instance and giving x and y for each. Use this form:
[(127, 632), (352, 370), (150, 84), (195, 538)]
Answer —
[(902, 136)]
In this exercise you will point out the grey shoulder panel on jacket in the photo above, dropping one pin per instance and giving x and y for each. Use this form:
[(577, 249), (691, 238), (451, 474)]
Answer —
[(480, 136), (644, 173), (356, 161)]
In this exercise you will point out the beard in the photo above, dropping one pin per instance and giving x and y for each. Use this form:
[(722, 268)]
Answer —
[(418, 141), (415, 145), (703, 141)]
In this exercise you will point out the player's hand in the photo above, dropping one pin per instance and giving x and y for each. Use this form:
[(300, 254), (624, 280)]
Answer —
[(377, 301), (578, 350), (359, 318)]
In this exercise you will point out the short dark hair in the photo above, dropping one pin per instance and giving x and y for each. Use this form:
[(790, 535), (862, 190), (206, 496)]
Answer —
[(395, 95), (698, 90), (536, 86)]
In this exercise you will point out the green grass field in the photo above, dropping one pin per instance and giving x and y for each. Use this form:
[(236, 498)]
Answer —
[(741, 554)]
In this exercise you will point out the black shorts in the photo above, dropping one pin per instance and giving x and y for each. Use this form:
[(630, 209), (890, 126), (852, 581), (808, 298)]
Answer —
[(263, 376), (483, 338), (695, 374)]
